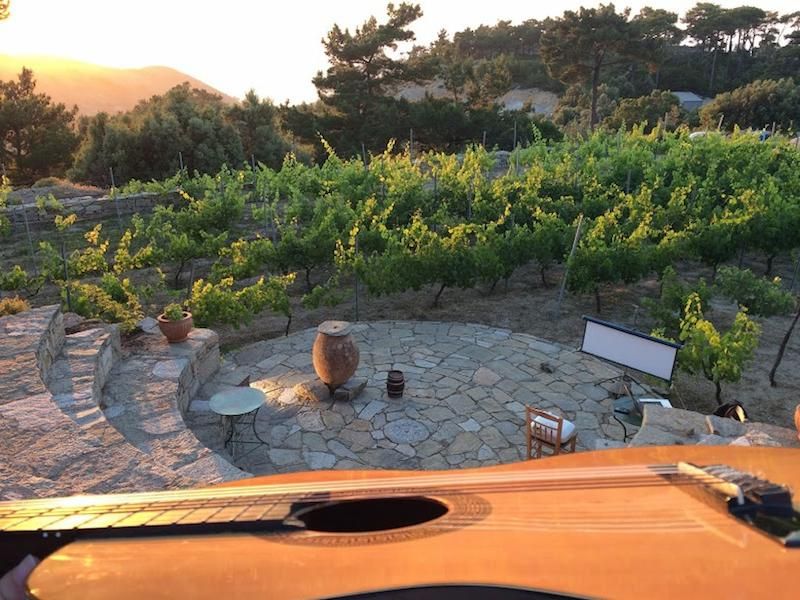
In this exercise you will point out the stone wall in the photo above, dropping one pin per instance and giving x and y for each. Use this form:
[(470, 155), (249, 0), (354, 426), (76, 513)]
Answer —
[(88, 208), (51, 320), (675, 426), (191, 363)]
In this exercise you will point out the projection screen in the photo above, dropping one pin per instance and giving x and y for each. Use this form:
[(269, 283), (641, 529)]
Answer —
[(629, 348)]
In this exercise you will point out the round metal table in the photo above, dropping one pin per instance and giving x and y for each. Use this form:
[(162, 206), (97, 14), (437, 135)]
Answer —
[(235, 405)]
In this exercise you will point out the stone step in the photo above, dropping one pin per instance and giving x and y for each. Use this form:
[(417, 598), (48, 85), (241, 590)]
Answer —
[(78, 376), (56, 439), (42, 443), (31, 342), (147, 394)]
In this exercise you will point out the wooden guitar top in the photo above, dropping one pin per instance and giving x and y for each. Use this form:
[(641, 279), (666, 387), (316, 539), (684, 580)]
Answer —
[(594, 524)]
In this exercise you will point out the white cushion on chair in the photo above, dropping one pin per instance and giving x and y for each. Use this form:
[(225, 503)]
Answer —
[(551, 427)]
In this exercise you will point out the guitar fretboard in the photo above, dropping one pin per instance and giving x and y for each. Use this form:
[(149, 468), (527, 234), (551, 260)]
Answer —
[(168, 509)]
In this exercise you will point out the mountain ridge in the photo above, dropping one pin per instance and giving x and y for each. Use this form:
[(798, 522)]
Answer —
[(96, 88)]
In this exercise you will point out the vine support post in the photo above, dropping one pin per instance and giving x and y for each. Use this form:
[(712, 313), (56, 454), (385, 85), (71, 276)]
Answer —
[(191, 280), (116, 200), (180, 159), (411, 145), (266, 217), (484, 139), (66, 274), (721, 119), (794, 275), (364, 156), (566, 267), (355, 287), (288, 325), (30, 238), (514, 144)]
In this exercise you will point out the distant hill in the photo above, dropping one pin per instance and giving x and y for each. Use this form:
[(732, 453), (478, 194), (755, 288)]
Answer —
[(94, 88)]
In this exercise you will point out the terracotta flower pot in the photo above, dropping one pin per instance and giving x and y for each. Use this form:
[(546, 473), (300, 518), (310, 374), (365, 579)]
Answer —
[(335, 353), (176, 331)]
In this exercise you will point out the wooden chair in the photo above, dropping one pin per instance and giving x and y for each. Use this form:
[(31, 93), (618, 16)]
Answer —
[(546, 429)]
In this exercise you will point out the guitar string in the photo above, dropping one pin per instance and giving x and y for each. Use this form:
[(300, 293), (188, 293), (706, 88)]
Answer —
[(408, 484), (662, 520), (479, 487), (621, 527), (281, 501)]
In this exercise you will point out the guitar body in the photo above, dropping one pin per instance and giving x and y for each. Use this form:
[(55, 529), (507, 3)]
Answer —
[(624, 539)]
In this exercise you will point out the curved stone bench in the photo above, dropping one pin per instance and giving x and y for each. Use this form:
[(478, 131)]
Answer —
[(147, 394), (56, 438)]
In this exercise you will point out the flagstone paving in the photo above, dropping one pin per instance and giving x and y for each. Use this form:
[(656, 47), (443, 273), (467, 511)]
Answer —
[(463, 406)]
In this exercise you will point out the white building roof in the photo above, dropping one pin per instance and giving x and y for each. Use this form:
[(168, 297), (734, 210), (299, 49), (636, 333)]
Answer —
[(688, 97)]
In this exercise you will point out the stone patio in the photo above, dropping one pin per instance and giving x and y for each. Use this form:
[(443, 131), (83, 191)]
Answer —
[(466, 390)]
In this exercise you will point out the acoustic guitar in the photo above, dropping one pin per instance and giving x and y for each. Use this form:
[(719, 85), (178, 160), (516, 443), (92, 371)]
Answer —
[(660, 522)]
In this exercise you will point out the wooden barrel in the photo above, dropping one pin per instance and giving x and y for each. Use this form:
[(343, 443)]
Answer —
[(395, 384)]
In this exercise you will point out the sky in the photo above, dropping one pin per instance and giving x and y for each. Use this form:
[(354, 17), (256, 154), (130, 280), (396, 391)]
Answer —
[(236, 45)]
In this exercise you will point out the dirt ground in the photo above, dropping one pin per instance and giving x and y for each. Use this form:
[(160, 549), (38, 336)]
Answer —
[(528, 307)]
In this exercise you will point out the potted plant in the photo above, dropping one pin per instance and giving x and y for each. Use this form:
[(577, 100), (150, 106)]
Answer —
[(175, 323)]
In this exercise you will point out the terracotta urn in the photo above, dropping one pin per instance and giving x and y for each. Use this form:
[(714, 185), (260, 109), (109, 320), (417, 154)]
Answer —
[(176, 331), (335, 353)]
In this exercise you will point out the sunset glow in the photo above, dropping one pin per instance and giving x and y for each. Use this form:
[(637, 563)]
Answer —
[(240, 44)]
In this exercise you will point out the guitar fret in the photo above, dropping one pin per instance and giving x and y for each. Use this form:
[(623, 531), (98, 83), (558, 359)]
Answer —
[(201, 515), (70, 522), (106, 520), (34, 523), (259, 509), (7, 522), (136, 519), (228, 514), (170, 517), (65, 512)]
